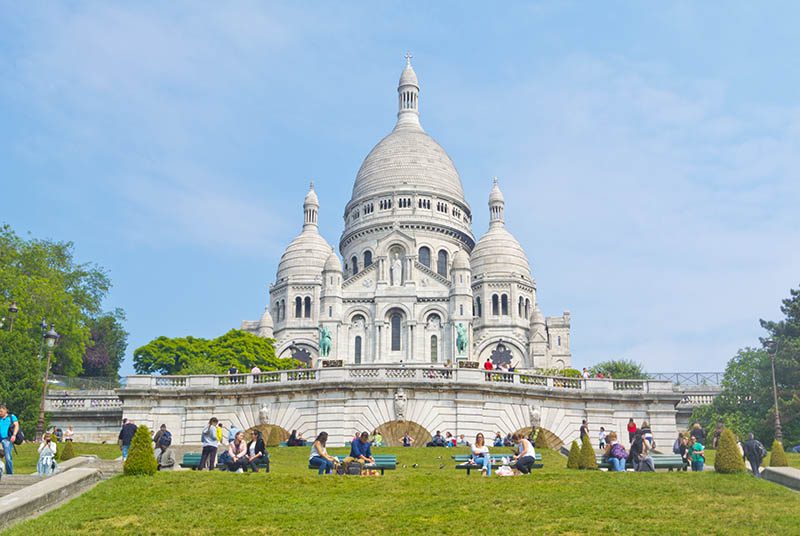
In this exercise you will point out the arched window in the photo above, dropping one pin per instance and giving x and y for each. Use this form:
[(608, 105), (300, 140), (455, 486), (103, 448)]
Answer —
[(461, 309), (396, 319), (559, 340), (527, 308), (441, 265), (425, 256), (434, 348), (367, 258), (521, 305), (495, 305), (354, 263), (357, 352), (504, 304), (477, 311), (308, 307), (298, 307), (282, 313)]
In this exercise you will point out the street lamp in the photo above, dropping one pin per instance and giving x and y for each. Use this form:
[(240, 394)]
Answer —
[(12, 312), (43, 327), (51, 337), (772, 349)]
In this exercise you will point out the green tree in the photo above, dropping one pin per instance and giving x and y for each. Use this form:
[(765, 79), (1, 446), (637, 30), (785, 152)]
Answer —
[(21, 378), (574, 456), (190, 355), (728, 459), (141, 460), (777, 457), (620, 369), (107, 344), (587, 459)]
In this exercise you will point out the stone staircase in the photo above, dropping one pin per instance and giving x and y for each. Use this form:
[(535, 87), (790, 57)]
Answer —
[(12, 483)]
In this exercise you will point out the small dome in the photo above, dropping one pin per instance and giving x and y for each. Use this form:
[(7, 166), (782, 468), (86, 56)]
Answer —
[(461, 260), (537, 318), (408, 77), (311, 197), (305, 256), (499, 252), (333, 264), (266, 319), (496, 196)]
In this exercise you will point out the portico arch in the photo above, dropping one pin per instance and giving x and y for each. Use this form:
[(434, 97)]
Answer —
[(393, 432), (553, 441), (272, 434)]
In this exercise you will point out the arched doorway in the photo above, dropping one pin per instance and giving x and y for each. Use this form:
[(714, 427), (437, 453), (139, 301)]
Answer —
[(552, 440), (393, 432), (272, 434)]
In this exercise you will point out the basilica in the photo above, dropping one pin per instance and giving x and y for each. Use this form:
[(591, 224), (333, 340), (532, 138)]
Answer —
[(412, 285)]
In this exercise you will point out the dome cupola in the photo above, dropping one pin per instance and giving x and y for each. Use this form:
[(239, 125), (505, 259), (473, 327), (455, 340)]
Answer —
[(306, 254), (333, 264)]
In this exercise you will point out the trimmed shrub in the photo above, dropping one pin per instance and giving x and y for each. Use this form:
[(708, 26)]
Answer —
[(274, 438), (728, 460), (777, 457), (541, 440), (141, 460), (574, 455), (587, 459), (67, 452)]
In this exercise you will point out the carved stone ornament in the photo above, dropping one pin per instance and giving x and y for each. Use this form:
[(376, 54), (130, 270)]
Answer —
[(263, 414), (400, 405)]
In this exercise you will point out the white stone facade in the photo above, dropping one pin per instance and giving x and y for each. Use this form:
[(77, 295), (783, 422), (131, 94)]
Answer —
[(411, 272)]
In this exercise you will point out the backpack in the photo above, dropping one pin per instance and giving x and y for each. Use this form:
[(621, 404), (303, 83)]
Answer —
[(762, 452), (165, 440), (676, 447), (353, 468), (20, 436)]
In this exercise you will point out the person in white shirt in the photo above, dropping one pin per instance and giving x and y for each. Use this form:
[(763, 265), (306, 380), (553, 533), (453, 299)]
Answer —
[(526, 457), (480, 455), (602, 436), (68, 433), (47, 456)]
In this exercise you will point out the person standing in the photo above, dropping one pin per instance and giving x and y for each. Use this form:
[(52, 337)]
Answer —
[(697, 454), (47, 456), (9, 427), (407, 440), (754, 452), (488, 364), (584, 429), (208, 438), (717, 434), (126, 436), (603, 436), (698, 433), (631, 430)]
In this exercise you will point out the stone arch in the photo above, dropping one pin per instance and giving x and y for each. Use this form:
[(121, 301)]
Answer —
[(553, 441), (432, 308), (357, 310), (393, 432), (272, 434), (384, 313), (285, 349), (519, 352)]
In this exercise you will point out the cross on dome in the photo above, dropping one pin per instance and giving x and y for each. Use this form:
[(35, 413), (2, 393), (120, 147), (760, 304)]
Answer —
[(408, 57)]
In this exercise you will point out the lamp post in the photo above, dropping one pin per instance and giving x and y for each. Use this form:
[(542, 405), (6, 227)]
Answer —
[(772, 349), (51, 336), (43, 327), (12, 312)]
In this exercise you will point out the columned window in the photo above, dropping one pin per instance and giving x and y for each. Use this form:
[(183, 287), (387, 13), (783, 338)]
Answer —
[(504, 303), (298, 307), (358, 350), (434, 348), (477, 311), (308, 307), (495, 305), (521, 305), (396, 326)]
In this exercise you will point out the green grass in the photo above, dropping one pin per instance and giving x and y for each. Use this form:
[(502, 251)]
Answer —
[(27, 454), (426, 500), (794, 459)]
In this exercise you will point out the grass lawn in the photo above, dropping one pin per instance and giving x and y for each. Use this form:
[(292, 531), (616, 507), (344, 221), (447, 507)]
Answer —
[(426, 500), (793, 459), (27, 454)]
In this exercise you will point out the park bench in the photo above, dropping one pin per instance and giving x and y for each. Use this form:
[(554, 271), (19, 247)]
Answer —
[(660, 461), (191, 460), (462, 461), (381, 444), (383, 462)]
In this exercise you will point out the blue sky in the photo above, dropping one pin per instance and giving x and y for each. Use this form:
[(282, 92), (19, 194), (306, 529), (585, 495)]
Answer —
[(648, 153)]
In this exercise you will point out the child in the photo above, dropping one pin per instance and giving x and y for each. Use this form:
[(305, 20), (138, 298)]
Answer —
[(603, 436)]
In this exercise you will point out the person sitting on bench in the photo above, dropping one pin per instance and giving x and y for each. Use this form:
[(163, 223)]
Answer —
[(437, 441), (319, 456), (360, 451), (480, 455), (256, 453), (237, 449), (526, 457)]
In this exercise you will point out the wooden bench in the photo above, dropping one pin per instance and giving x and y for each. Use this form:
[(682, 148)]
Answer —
[(463, 461), (660, 461), (383, 462), (191, 460)]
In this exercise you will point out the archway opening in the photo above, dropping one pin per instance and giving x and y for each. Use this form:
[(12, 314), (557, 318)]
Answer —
[(272, 434), (394, 431), (552, 440)]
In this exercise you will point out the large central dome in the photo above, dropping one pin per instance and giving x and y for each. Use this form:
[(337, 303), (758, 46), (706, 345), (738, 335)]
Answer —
[(408, 158)]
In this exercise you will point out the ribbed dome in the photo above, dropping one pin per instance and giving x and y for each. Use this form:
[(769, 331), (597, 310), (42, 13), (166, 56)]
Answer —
[(266, 320), (333, 264), (408, 77), (537, 318), (408, 158), (461, 260), (305, 256), (499, 252), (496, 196)]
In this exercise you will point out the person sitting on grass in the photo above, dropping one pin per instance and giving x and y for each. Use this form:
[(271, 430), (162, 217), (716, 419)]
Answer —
[(498, 440), (697, 453), (449, 440), (319, 455), (480, 455), (360, 451), (47, 456), (526, 457), (292, 442), (166, 459), (437, 441), (256, 453), (509, 440), (237, 450), (407, 440), (615, 453), (462, 442), (377, 438)]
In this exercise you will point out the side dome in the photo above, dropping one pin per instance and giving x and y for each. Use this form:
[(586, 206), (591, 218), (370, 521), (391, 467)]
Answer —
[(461, 260), (305, 257), (333, 264)]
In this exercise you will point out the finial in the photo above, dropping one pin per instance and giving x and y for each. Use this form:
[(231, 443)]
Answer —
[(408, 58), (311, 186), (495, 181), (333, 249)]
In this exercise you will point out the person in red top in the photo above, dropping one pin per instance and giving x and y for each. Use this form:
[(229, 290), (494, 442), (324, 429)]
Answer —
[(488, 364), (631, 430)]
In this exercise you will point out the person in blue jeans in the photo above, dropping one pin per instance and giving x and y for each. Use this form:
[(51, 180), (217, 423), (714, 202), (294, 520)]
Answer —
[(615, 453), (319, 455), (126, 434), (698, 454), (480, 455), (9, 426)]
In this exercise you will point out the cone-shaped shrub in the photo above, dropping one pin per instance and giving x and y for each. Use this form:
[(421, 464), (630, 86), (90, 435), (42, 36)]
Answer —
[(274, 438), (67, 451), (141, 460), (587, 458), (574, 454), (728, 459), (777, 457), (541, 440)]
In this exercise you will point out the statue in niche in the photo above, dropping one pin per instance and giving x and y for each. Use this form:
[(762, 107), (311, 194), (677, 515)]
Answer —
[(400, 405), (324, 341), (535, 417), (263, 414), (397, 270), (461, 339)]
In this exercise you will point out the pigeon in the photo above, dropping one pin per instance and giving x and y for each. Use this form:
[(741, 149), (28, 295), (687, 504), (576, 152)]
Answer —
[(441, 467), (439, 458), (404, 467), (414, 466)]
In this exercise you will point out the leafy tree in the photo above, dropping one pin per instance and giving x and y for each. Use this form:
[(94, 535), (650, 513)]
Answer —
[(190, 355), (21, 377), (620, 368), (141, 460), (107, 344), (587, 459), (728, 459), (777, 457), (574, 455)]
